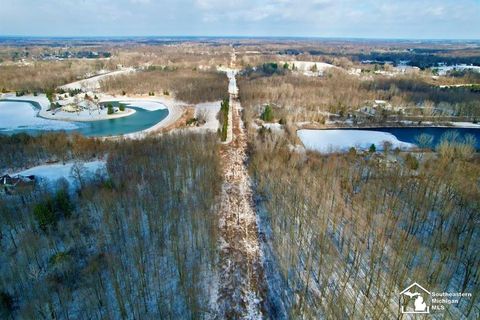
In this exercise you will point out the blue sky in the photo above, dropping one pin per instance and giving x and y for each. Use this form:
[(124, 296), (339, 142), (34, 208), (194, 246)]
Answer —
[(425, 19)]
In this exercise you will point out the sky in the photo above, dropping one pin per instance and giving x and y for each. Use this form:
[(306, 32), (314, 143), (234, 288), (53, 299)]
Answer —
[(407, 19)]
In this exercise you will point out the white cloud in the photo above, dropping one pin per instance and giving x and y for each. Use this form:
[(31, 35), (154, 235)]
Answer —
[(366, 18)]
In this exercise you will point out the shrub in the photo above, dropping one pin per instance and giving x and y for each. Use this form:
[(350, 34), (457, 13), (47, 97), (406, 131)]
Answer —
[(50, 94), (43, 213), (223, 118), (110, 109), (191, 121), (121, 107), (63, 203), (372, 148), (49, 211), (411, 162), (267, 114)]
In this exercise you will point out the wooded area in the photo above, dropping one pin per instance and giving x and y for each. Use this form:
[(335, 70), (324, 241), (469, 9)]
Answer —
[(42, 75), (191, 86), (300, 98), (348, 232), (141, 243)]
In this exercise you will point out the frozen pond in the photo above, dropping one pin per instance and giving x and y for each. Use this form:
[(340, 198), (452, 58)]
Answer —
[(340, 140), (21, 116), (327, 141)]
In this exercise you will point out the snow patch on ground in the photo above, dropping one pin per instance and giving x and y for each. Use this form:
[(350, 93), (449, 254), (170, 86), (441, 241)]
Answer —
[(93, 83), (466, 125), (16, 115), (209, 112), (310, 68), (51, 173), (273, 126), (327, 141)]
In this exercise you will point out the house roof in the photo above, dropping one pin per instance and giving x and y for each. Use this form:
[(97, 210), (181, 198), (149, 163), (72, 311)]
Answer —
[(412, 285)]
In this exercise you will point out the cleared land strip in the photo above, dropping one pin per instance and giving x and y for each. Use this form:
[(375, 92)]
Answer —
[(241, 275)]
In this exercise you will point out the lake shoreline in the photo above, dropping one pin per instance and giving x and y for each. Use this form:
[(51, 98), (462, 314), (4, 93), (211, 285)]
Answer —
[(450, 125), (341, 139)]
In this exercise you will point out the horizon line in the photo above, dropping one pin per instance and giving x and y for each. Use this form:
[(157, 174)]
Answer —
[(236, 37)]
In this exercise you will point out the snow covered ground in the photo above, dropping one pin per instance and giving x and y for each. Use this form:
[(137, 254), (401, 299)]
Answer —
[(465, 124), (327, 141), (207, 111), (443, 70), (93, 83), (231, 74), (51, 173), (310, 68), (21, 115)]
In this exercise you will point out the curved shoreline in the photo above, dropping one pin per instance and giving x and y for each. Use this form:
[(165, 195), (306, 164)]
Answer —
[(128, 112), (175, 112), (451, 124), (174, 108)]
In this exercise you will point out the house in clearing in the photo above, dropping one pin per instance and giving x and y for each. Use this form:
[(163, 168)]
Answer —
[(8, 183)]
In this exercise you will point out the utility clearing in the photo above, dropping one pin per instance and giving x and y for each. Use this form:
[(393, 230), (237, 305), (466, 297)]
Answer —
[(240, 274)]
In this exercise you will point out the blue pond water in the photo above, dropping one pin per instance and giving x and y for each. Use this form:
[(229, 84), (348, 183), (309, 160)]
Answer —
[(142, 119)]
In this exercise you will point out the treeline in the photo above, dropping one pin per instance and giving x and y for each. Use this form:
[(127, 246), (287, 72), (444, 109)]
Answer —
[(300, 98), (347, 233), (22, 150), (412, 91), (47, 75), (191, 86), (303, 98), (138, 244), (418, 58)]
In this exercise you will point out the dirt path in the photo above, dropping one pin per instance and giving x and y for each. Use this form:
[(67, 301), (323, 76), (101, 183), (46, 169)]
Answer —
[(240, 287)]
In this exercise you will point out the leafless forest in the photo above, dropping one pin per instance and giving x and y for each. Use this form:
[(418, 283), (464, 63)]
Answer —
[(192, 86), (348, 231), (139, 244), (298, 234), (40, 76), (301, 98)]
